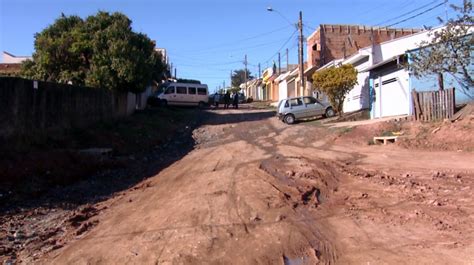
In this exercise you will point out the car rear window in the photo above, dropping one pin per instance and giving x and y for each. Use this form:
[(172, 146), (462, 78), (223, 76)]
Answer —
[(295, 102), (309, 100)]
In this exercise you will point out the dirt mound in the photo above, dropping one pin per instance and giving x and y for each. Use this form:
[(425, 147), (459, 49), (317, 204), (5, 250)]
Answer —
[(446, 136), (436, 136)]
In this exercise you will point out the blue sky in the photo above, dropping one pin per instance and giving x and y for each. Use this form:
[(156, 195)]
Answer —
[(207, 39)]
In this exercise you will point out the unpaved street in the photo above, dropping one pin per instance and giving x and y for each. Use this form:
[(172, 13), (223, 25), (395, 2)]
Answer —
[(257, 191)]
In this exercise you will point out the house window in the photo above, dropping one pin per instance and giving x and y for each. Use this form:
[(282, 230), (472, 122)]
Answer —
[(181, 90), (170, 90), (202, 91), (192, 90)]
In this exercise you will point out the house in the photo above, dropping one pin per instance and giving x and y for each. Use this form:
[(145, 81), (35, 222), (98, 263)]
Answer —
[(334, 42), (391, 83), (9, 58), (253, 89), (11, 65)]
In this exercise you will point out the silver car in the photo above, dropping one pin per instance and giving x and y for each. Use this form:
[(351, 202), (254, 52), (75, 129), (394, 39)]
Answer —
[(292, 109)]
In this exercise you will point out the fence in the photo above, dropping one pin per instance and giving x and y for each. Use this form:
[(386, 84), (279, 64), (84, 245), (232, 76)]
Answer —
[(30, 107), (433, 105)]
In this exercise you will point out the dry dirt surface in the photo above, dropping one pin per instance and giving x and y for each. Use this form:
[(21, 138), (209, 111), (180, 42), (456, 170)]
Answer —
[(257, 191)]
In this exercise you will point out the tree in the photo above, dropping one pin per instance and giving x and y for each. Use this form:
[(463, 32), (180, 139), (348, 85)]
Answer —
[(100, 51), (336, 82), (238, 77), (450, 50)]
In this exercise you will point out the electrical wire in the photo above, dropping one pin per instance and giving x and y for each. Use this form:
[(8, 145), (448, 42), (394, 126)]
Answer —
[(417, 15), (241, 40), (407, 13), (283, 46)]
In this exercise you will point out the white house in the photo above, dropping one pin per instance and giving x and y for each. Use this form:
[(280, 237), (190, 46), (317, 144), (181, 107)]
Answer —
[(384, 85), (9, 58)]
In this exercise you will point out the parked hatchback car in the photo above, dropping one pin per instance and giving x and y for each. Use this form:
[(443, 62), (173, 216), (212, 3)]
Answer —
[(296, 108)]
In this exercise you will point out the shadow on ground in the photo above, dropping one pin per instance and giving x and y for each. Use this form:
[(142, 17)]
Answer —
[(130, 169)]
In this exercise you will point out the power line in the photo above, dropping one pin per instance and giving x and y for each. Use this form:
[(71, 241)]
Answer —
[(417, 15), (407, 13), (283, 46), (241, 49), (241, 40)]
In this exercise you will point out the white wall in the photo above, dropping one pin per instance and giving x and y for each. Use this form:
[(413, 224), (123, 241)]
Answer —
[(358, 97), (282, 90)]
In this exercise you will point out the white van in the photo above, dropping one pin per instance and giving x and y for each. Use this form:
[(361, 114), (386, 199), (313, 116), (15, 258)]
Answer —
[(184, 94)]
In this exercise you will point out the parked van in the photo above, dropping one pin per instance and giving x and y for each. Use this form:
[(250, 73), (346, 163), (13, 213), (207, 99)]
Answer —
[(183, 94)]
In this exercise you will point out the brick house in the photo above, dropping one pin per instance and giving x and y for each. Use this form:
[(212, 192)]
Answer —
[(331, 42)]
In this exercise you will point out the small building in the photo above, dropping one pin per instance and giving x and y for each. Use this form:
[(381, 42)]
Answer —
[(9, 58), (11, 65)]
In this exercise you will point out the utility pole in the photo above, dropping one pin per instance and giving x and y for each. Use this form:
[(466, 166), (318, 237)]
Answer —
[(259, 70), (231, 79), (300, 57), (279, 63), (245, 62), (171, 70), (175, 76), (287, 61), (223, 84)]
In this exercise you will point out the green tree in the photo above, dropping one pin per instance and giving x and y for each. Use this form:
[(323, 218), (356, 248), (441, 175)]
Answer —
[(238, 78), (336, 82), (100, 51), (450, 50)]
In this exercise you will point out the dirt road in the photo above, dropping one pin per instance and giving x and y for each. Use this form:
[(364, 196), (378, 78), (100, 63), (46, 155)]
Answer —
[(256, 191)]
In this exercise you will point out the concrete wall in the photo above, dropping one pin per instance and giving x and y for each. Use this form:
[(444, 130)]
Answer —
[(26, 109)]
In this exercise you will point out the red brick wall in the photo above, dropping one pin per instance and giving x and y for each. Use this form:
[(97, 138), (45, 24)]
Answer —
[(342, 41)]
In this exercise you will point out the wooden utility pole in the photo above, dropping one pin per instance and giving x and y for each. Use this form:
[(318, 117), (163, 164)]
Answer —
[(287, 61), (279, 63), (245, 62), (259, 70), (175, 76), (300, 53)]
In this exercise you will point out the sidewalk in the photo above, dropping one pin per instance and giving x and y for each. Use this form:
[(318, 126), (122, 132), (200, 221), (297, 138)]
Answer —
[(364, 122)]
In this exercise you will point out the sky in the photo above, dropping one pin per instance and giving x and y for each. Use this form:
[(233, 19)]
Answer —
[(207, 39)]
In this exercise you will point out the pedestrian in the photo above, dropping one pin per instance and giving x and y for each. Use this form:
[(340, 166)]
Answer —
[(226, 100), (236, 101), (216, 100)]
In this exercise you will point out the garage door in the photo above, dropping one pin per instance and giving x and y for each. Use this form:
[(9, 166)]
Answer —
[(392, 97)]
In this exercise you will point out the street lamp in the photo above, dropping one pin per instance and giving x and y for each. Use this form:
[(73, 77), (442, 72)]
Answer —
[(270, 9), (300, 41)]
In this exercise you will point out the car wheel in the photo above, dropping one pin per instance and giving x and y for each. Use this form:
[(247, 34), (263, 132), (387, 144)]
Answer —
[(329, 112), (289, 119)]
